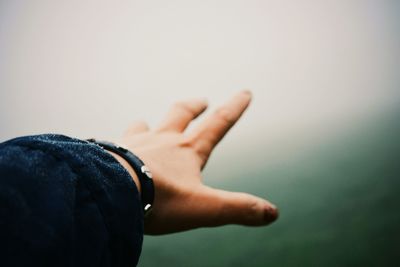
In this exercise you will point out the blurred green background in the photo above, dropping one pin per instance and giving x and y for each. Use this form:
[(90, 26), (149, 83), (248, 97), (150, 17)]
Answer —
[(339, 206)]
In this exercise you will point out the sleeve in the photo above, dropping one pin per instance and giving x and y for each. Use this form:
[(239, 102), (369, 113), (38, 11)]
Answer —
[(66, 202)]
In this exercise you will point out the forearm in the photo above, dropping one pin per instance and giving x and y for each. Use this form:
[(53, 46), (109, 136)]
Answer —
[(66, 202)]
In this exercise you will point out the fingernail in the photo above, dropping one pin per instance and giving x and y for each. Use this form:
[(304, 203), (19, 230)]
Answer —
[(270, 213)]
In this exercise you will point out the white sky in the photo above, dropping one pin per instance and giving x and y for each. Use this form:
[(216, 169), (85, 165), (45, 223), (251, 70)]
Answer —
[(89, 68)]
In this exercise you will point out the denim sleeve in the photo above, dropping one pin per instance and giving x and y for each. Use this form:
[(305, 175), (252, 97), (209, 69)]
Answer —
[(66, 202)]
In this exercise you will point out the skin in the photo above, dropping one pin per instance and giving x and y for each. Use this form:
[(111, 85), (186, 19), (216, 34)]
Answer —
[(176, 158)]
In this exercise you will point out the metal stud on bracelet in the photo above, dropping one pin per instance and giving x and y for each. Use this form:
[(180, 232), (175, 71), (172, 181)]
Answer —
[(141, 170)]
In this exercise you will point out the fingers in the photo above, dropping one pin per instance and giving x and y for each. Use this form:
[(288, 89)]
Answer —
[(181, 114), (207, 135), (137, 127), (239, 208)]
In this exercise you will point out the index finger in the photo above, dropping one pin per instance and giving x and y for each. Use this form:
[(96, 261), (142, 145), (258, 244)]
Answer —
[(208, 134)]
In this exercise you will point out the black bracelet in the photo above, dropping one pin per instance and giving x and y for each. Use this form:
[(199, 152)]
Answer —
[(141, 170)]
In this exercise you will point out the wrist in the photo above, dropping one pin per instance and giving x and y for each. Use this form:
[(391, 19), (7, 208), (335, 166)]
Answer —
[(137, 170)]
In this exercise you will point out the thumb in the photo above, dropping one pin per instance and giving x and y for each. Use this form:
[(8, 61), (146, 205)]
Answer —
[(241, 208)]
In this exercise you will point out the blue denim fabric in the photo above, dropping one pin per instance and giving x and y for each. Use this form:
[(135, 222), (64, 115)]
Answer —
[(66, 202)]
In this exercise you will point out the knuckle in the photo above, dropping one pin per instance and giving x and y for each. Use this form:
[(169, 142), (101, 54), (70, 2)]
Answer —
[(185, 142), (225, 115), (254, 208), (201, 148), (194, 150), (184, 107), (251, 210)]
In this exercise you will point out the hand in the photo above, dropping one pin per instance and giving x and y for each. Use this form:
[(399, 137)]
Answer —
[(175, 158)]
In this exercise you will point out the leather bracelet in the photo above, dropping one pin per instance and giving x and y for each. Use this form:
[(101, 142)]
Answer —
[(141, 170)]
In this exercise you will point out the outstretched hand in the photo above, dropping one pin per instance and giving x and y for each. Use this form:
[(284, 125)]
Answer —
[(176, 158)]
